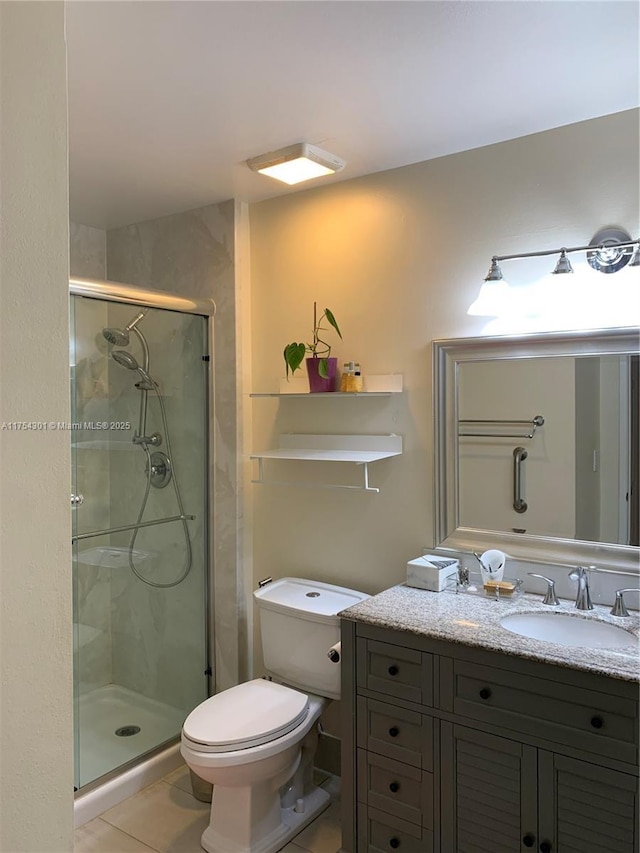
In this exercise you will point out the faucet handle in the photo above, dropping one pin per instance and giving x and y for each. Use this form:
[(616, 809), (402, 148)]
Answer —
[(619, 608), (550, 596)]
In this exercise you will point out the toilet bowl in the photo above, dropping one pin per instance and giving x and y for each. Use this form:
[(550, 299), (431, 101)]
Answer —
[(256, 742), (248, 757)]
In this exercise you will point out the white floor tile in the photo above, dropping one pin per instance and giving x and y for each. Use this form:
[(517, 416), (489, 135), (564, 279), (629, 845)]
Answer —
[(164, 817), (324, 835), (100, 837), (181, 778)]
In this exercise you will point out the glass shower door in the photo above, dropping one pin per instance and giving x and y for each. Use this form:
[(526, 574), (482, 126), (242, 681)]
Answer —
[(139, 449)]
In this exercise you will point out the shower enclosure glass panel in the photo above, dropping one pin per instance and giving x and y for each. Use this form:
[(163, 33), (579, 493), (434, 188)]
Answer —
[(139, 448)]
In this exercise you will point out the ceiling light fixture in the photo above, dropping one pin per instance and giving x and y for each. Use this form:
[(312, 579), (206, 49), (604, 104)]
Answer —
[(564, 264), (610, 250), (296, 163)]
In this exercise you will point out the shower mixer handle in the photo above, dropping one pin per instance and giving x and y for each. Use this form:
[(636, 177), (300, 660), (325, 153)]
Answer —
[(155, 439)]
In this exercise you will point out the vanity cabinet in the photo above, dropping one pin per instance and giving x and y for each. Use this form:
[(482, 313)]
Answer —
[(454, 749)]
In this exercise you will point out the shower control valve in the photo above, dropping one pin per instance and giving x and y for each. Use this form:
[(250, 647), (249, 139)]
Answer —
[(155, 439)]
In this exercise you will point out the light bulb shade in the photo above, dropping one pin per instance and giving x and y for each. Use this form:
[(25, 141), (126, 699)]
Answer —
[(493, 299), (495, 273), (609, 257), (296, 163), (564, 264)]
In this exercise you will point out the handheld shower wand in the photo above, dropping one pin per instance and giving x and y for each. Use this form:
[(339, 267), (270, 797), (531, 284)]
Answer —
[(125, 359)]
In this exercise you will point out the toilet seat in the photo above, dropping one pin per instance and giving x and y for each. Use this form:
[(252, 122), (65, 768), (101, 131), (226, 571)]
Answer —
[(245, 716)]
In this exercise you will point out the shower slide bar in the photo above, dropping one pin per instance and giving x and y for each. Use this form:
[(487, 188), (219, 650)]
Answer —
[(91, 534), (529, 428)]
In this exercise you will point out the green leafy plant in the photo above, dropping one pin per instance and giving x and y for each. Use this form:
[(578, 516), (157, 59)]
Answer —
[(294, 353)]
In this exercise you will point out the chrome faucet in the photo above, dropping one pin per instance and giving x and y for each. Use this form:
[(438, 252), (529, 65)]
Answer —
[(619, 608), (550, 596), (583, 598)]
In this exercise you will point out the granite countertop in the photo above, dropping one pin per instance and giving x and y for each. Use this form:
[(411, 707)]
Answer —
[(474, 620)]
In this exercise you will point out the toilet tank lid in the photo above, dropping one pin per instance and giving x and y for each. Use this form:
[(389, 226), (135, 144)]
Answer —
[(319, 601)]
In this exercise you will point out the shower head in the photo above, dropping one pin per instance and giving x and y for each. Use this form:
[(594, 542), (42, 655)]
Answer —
[(120, 337), (116, 336), (125, 359)]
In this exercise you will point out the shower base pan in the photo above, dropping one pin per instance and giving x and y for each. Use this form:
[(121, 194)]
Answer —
[(116, 726)]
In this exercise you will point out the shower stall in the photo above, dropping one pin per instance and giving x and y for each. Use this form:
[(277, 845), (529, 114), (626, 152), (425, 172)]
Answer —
[(139, 431)]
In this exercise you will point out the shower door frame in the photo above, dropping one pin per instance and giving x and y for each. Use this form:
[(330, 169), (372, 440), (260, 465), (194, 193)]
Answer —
[(113, 291)]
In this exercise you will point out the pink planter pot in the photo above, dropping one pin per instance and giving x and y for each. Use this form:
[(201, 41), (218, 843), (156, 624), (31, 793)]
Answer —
[(317, 383)]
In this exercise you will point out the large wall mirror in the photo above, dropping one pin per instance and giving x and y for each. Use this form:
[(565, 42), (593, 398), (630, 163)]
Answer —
[(537, 446)]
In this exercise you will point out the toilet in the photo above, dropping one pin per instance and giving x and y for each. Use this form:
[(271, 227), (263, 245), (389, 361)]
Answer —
[(256, 742)]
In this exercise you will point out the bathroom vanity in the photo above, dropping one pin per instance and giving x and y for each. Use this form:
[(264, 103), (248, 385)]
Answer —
[(462, 737)]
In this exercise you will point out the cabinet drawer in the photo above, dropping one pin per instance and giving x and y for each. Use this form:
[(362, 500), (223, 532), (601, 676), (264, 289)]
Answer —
[(397, 733), (380, 833), (395, 788), (585, 719), (396, 671)]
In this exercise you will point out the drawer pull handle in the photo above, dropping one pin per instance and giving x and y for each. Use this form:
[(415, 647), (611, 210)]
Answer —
[(394, 731), (485, 693), (394, 787), (597, 722), (529, 840), (393, 669), (545, 847), (394, 843)]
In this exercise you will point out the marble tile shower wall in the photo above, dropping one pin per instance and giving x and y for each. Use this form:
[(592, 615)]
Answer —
[(157, 645), (192, 254)]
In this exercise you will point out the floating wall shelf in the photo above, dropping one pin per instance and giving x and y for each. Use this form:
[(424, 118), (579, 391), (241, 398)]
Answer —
[(373, 386), (359, 449)]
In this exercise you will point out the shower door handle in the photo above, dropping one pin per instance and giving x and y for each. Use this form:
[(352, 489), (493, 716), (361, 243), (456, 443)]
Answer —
[(76, 500)]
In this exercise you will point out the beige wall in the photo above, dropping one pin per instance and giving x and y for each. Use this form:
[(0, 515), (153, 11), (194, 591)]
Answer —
[(399, 256), (36, 746)]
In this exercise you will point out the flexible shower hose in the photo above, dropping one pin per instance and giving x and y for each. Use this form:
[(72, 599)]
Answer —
[(189, 558)]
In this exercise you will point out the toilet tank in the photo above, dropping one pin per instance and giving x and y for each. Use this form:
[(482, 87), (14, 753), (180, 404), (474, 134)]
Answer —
[(298, 626)]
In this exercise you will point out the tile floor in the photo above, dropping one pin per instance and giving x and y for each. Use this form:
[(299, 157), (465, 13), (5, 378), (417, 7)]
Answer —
[(166, 818)]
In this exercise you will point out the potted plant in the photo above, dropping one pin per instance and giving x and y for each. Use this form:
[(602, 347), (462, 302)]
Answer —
[(321, 368)]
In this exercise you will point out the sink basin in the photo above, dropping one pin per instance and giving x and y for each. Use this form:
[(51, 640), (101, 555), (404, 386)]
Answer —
[(568, 630)]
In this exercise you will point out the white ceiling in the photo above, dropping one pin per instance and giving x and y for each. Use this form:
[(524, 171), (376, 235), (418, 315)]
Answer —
[(168, 99)]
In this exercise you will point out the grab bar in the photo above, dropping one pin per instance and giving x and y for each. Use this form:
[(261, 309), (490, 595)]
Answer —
[(126, 527), (519, 503), (532, 425)]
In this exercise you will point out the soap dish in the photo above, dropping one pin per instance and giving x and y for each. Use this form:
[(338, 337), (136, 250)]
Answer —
[(471, 583)]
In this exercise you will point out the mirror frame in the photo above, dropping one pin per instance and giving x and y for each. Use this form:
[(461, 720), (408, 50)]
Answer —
[(448, 356)]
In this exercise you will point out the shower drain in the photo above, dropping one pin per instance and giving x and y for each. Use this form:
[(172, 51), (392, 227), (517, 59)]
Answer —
[(127, 731)]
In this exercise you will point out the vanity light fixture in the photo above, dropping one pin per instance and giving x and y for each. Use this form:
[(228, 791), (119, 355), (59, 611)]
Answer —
[(610, 250), (564, 264), (494, 293), (296, 163)]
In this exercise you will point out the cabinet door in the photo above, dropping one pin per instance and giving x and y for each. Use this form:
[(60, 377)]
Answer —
[(585, 808), (488, 793)]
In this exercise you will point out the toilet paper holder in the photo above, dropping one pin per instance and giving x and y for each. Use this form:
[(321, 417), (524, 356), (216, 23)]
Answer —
[(334, 653)]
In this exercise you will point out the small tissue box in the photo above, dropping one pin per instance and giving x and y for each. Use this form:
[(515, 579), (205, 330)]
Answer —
[(431, 572)]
